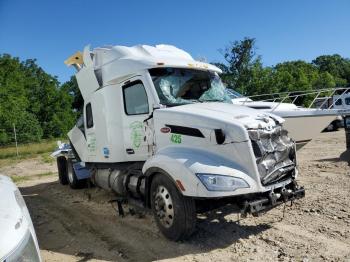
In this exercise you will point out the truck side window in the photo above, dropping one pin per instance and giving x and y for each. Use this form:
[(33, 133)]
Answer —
[(89, 118), (135, 99)]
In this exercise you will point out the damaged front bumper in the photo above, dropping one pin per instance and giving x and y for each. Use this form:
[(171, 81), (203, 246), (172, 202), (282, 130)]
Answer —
[(259, 203), (254, 203)]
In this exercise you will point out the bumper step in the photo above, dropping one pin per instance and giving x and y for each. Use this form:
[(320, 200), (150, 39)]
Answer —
[(271, 200)]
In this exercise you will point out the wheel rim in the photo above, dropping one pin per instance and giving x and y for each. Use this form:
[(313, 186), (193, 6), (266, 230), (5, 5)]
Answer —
[(70, 174), (164, 208)]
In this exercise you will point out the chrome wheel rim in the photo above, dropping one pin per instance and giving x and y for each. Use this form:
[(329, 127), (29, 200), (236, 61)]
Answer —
[(70, 173), (164, 208)]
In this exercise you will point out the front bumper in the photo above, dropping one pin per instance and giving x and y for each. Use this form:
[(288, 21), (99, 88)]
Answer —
[(268, 200), (253, 203)]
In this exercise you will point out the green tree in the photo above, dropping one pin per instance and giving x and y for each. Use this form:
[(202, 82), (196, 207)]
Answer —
[(324, 80), (241, 61), (243, 71), (335, 65), (28, 128), (14, 103), (71, 87), (50, 104), (33, 101)]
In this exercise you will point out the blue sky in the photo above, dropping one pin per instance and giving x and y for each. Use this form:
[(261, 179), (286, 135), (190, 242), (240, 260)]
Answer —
[(285, 30)]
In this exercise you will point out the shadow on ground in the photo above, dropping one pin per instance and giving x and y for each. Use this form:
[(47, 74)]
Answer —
[(344, 157), (67, 222)]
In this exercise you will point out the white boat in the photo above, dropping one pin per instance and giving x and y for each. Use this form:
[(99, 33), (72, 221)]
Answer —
[(303, 124)]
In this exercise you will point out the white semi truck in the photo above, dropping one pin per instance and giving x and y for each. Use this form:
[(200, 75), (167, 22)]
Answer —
[(159, 130)]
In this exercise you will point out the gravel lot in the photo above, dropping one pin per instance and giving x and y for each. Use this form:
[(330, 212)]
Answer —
[(81, 225)]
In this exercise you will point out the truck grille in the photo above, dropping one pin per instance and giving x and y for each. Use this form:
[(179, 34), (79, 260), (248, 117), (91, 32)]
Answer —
[(275, 154)]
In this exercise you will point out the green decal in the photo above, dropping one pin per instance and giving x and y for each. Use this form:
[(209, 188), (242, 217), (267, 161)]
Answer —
[(136, 133), (175, 138), (91, 143)]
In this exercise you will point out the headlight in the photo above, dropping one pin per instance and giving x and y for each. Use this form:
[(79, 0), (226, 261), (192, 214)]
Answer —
[(221, 183), (26, 251)]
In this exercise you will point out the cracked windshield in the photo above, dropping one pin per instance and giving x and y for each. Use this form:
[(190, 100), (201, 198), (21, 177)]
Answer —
[(177, 86)]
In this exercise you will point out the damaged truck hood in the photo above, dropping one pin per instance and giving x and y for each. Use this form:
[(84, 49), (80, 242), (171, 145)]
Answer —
[(233, 120), (229, 113)]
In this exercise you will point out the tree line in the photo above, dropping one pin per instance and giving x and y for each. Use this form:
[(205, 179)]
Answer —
[(39, 106), (243, 70), (32, 101)]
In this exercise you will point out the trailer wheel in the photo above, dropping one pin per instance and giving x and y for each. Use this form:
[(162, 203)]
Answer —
[(62, 170), (73, 181), (330, 127), (174, 213)]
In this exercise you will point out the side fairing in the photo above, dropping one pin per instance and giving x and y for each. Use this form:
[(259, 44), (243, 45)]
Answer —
[(78, 139)]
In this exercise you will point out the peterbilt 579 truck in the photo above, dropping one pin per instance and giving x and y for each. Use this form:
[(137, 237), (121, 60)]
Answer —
[(159, 130)]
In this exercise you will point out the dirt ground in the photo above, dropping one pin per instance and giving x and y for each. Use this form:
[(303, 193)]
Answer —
[(70, 227), (29, 167)]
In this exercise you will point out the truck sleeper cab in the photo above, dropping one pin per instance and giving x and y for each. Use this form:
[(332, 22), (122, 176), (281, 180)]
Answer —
[(166, 137)]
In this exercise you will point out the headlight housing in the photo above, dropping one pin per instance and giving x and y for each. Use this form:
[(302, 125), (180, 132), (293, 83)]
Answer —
[(214, 182), (25, 251)]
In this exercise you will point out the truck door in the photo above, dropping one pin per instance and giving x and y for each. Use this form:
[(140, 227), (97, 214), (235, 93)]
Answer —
[(136, 110)]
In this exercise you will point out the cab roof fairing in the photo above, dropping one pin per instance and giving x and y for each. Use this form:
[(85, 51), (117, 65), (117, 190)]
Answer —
[(119, 61)]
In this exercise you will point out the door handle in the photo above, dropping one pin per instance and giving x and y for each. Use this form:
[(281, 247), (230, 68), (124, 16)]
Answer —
[(130, 151)]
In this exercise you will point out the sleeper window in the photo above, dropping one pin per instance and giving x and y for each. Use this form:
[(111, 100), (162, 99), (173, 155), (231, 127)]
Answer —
[(135, 99)]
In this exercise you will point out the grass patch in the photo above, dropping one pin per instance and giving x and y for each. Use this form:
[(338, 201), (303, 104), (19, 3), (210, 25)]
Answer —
[(7, 162), (28, 150), (46, 158), (18, 179), (45, 174)]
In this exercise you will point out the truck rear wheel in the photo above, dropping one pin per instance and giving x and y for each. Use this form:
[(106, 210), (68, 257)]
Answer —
[(74, 182), (174, 213), (62, 170)]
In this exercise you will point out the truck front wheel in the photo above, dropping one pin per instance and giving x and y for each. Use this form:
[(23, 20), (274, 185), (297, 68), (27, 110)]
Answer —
[(174, 213)]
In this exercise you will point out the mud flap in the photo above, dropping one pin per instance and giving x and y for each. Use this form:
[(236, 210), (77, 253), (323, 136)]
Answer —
[(81, 171)]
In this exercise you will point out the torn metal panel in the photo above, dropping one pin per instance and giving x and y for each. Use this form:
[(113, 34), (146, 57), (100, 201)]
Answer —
[(274, 152)]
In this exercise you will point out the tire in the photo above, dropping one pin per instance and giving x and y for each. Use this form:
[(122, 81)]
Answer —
[(73, 181), (62, 170), (337, 125), (330, 128), (175, 214)]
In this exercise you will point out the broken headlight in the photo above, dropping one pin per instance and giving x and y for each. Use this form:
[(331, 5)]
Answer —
[(215, 182)]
